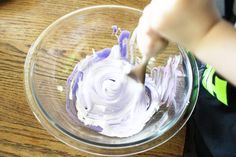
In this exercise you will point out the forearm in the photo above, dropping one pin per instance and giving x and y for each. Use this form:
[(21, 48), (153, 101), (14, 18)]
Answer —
[(218, 48)]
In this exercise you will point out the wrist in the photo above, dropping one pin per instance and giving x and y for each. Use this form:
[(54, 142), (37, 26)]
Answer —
[(208, 37)]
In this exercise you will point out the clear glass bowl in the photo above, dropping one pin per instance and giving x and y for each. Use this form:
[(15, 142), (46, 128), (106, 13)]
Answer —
[(64, 43)]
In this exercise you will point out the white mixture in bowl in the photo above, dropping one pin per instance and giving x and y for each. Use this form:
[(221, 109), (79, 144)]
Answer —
[(105, 99)]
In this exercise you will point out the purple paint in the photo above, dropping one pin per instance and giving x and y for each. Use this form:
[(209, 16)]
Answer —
[(78, 77), (114, 28), (104, 53), (95, 128), (123, 41)]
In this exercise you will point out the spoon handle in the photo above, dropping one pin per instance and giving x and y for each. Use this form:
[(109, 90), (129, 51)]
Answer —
[(138, 73)]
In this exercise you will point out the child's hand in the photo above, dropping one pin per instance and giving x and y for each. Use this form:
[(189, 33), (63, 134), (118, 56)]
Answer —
[(183, 21), (196, 25), (150, 43)]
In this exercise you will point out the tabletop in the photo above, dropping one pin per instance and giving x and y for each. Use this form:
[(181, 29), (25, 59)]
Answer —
[(21, 21)]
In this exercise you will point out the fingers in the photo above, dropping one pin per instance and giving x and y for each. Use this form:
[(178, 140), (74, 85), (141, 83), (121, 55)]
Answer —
[(149, 41), (150, 17), (143, 39)]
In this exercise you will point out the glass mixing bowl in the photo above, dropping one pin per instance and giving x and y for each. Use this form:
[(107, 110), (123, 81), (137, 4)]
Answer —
[(64, 43)]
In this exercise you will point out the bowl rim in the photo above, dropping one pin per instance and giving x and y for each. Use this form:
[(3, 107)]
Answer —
[(48, 122)]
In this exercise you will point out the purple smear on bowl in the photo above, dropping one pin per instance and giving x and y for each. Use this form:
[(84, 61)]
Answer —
[(123, 41)]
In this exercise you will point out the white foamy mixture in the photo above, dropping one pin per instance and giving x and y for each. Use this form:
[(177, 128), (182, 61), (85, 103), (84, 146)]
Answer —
[(111, 103)]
